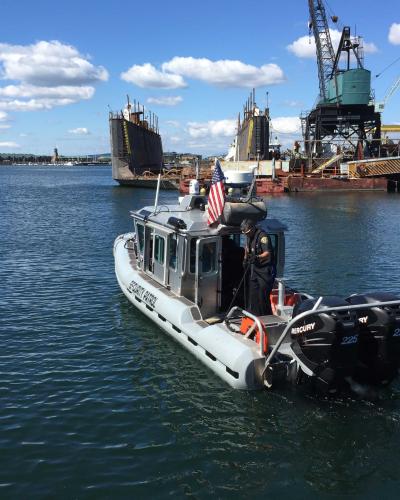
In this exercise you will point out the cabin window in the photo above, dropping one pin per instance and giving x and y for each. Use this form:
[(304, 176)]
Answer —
[(192, 261), (192, 257), (149, 251), (208, 258), (173, 247), (140, 235), (184, 254), (159, 249)]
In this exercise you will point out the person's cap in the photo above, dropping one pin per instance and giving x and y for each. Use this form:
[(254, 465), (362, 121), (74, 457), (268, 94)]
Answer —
[(247, 225)]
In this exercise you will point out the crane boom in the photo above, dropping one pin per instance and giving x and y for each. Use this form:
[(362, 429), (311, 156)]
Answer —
[(380, 106), (392, 90), (323, 42)]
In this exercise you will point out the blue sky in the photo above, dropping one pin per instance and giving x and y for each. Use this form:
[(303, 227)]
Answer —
[(64, 64)]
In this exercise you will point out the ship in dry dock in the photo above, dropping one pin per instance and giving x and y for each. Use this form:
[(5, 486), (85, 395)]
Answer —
[(252, 139), (136, 147)]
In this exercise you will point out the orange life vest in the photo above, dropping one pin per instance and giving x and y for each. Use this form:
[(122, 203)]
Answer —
[(291, 299), (245, 326)]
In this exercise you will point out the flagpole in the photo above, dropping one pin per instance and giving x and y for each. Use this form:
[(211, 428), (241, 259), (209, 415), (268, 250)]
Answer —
[(216, 197), (157, 193)]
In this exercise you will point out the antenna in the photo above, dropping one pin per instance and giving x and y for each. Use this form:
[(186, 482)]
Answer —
[(157, 193)]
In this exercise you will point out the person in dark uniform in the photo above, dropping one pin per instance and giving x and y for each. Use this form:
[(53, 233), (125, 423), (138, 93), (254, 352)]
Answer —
[(259, 255)]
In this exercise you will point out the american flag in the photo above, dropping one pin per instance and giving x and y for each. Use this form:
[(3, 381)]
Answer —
[(216, 197)]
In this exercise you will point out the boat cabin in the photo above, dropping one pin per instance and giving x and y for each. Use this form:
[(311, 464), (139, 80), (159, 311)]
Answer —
[(178, 250)]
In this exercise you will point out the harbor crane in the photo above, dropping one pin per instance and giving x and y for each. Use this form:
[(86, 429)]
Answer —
[(343, 116)]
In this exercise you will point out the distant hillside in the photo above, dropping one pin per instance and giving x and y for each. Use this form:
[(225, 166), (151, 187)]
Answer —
[(31, 155)]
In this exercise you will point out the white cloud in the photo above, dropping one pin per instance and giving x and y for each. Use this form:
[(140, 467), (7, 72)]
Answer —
[(4, 126), (62, 91), (50, 74), (3, 116), (171, 141), (79, 131), (286, 130), (213, 128), (165, 100), (294, 104), (198, 146), (286, 124), (394, 34), (225, 73), (173, 123), (9, 144), (370, 48), (304, 47), (209, 148), (212, 137), (33, 98), (34, 104), (48, 64), (148, 76)]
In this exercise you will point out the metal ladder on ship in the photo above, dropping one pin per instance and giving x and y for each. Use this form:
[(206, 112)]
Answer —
[(126, 144)]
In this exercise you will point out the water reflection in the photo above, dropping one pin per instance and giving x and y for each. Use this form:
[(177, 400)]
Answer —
[(96, 399)]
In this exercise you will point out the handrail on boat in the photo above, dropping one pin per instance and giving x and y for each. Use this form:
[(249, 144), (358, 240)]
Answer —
[(256, 322)]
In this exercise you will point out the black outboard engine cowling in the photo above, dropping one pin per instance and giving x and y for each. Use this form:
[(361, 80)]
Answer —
[(326, 344), (379, 340)]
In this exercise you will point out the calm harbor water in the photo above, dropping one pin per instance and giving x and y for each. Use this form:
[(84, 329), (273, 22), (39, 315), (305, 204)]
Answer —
[(96, 402)]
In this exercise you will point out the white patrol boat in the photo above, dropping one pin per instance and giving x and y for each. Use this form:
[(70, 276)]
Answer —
[(185, 276)]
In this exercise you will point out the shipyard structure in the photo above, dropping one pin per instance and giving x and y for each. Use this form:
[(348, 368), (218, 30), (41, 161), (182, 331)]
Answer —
[(136, 147), (252, 139), (345, 119)]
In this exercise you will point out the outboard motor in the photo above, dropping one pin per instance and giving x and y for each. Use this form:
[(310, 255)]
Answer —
[(379, 341), (326, 344)]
